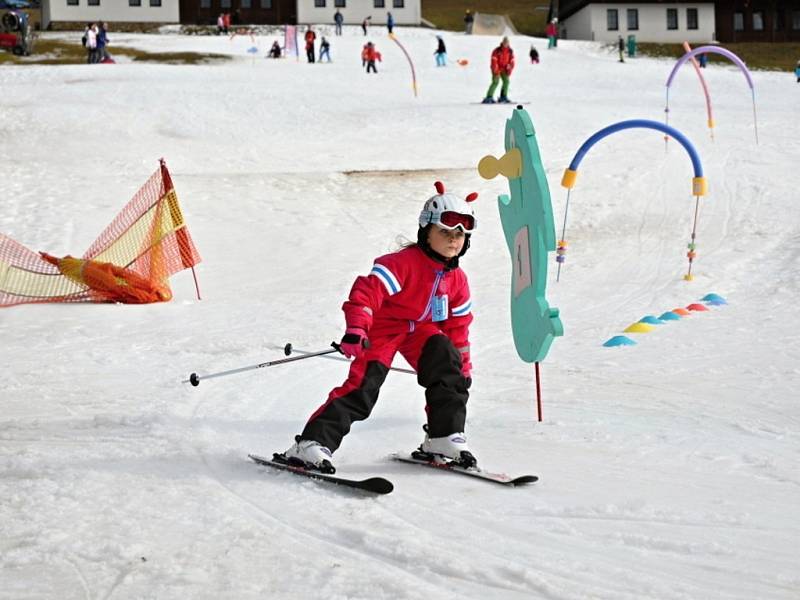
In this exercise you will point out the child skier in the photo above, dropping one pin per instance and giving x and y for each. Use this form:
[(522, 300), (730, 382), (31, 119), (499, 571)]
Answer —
[(324, 49), (275, 51), (369, 55), (502, 65), (417, 302), (441, 52), (534, 54)]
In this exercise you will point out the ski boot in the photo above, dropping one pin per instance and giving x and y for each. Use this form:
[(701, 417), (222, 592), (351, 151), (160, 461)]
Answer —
[(503, 100), (451, 449), (488, 100), (308, 454)]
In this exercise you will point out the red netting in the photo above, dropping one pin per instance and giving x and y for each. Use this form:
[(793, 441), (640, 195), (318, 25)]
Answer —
[(130, 261)]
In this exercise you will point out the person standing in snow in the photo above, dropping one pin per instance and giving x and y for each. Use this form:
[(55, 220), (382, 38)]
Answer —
[(369, 55), (621, 48), (365, 24), (310, 37), (551, 31), (416, 302), (338, 19), (534, 54), (91, 43), (389, 22), (469, 20), (102, 44), (441, 52), (502, 65), (324, 49), (797, 71)]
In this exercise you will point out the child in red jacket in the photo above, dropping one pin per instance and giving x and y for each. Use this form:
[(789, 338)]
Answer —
[(502, 65), (417, 302), (369, 54)]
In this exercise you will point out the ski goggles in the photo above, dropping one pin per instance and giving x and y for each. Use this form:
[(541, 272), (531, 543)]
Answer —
[(452, 220)]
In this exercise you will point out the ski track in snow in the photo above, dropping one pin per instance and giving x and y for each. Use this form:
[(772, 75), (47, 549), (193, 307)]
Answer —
[(667, 470)]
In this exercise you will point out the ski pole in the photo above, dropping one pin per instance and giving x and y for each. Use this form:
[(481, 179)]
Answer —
[(195, 379), (288, 349)]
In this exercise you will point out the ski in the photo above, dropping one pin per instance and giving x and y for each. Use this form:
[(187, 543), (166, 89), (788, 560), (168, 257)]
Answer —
[(375, 485), (502, 103), (500, 478)]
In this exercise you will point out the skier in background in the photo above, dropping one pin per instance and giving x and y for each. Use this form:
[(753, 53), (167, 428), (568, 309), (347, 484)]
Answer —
[(502, 65), (534, 54), (469, 20), (621, 48), (310, 37), (275, 51), (415, 301), (797, 71), (324, 49), (441, 52), (368, 57), (338, 19), (551, 31), (389, 22)]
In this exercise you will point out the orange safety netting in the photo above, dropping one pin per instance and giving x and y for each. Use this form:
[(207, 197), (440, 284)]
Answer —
[(130, 262)]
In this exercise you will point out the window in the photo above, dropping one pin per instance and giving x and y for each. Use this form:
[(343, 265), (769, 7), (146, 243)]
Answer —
[(134, 2), (691, 18), (758, 20), (778, 23), (340, 3), (796, 20), (246, 4), (398, 3), (205, 3), (225, 3), (319, 3), (633, 19), (379, 4), (93, 3), (72, 2), (738, 21), (612, 19), (155, 3), (672, 18), (266, 4)]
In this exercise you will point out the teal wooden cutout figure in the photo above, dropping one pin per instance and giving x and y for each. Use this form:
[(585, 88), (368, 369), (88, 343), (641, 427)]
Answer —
[(527, 218)]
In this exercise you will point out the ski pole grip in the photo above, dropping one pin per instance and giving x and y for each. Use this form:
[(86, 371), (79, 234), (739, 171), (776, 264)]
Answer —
[(364, 344)]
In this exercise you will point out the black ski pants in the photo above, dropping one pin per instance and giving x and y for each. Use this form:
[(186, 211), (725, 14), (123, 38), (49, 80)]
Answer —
[(438, 371)]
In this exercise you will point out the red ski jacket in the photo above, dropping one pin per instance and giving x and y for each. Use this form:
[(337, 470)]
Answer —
[(401, 292), (310, 37), (502, 60), (370, 53)]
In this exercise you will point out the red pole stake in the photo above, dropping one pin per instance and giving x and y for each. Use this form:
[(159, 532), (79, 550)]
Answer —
[(538, 393), (196, 286)]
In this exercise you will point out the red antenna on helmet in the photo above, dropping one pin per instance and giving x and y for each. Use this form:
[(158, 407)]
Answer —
[(439, 187), (472, 197)]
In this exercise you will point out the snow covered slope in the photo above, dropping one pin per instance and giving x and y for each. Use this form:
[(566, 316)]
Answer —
[(668, 469)]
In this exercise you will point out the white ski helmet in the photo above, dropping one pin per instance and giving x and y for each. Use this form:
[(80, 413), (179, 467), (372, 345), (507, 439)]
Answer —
[(449, 211)]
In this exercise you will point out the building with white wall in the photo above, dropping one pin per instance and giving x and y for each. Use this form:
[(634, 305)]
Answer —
[(405, 12), (659, 21), (113, 11)]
